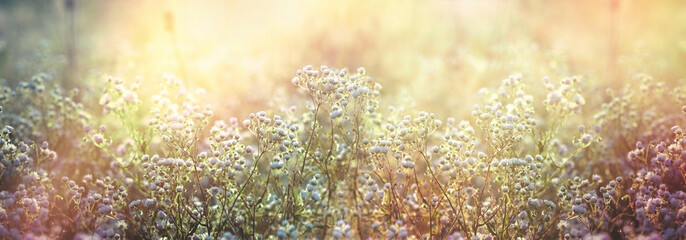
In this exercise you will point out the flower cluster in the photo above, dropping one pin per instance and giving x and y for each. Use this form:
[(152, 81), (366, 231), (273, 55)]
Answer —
[(338, 166)]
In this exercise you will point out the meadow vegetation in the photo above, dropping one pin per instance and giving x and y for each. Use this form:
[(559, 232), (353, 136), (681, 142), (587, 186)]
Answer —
[(343, 164), (438, 120)]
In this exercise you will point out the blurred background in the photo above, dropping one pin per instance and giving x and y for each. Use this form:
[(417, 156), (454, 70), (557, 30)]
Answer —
[(431, 54)]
